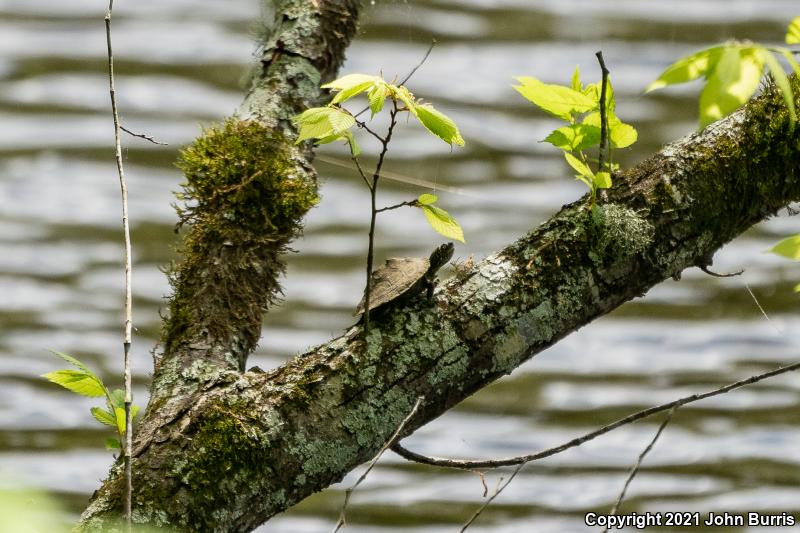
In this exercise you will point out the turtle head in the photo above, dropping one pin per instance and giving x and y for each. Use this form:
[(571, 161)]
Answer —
[(440, 256)]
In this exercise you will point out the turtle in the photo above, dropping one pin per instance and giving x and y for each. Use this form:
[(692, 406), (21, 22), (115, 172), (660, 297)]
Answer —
[(404, 277)]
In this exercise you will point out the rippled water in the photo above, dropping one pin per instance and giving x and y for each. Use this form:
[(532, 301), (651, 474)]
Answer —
[(179, 64)]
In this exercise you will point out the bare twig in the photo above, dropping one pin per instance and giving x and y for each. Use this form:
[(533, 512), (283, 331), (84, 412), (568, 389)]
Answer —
[(760, 308), (421, 62), (412, 203), (142, 136), (464, 464), (349, 492), (721, 275), (635, 469), (604, 144), (408, 76), (373, 191), (500, 488), (128, 304)]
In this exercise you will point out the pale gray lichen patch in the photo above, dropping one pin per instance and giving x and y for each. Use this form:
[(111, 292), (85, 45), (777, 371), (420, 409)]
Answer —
[(621, 230)]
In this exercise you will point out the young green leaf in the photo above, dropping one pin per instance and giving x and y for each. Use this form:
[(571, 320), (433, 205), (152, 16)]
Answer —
[(103, 416), (321, 122), (620, 134), (575, 137), (119, 413), (441, 221), (792, 61), (351, 80), (377, 97), (78, 381), (593, 91), (113, 444), (788, 247), (439, 124), (427, 199), (731, 82), (793, 33), (578, 165), (576, 80), (71, 360), (602, 180), (687, 68), (117, 398), (557, 100), (782, 81), (404, 95), (346, 94), (134, 411)]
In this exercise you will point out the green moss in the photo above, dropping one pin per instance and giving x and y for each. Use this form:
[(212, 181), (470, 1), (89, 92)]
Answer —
[(244, 197)]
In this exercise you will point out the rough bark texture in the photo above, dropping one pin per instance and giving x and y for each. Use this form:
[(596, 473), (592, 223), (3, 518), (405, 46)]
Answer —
[(224, 450)]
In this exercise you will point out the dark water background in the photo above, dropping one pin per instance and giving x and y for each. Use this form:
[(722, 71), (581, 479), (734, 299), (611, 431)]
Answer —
[(179, 64)]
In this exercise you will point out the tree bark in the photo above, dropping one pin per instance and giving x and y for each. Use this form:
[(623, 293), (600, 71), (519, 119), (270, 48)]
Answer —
[(224, 450)]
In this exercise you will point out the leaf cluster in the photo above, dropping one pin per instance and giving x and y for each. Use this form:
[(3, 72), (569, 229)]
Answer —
[(733, 72), (86, 383), (579, 106), (334, 123)]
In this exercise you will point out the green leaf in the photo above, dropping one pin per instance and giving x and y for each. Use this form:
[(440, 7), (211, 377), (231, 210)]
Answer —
[(120, 419), (593, 91), (439, 124), (404, 95), (78, 381), (321, 122), (579, 166), (797, 288), (113, 444), (620, 134), (781, 80), (351, 80), (134, 411), (441, 221), (117, 398), (602, 180), (346, 136), (792, 61), (623, 135), (788, 247), (104, 417), (793, 33), (576, 80), (557, 100), (687, 68), (575, 137), (731, 82), (71, 360), (427, 199), (377, 97), (343, 96)]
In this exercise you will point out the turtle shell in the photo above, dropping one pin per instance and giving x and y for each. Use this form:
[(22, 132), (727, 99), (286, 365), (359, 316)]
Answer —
[(394, 279)]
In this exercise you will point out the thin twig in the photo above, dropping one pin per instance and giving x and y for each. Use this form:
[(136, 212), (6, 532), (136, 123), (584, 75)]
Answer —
[(601, 159), (128, 304), (721, 274), (373, 191), (408, 76), (497, 491), (349, 492), (464, 464), (635, 469), (412, 203), (421, 62), (764, 313), (143, 136)]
